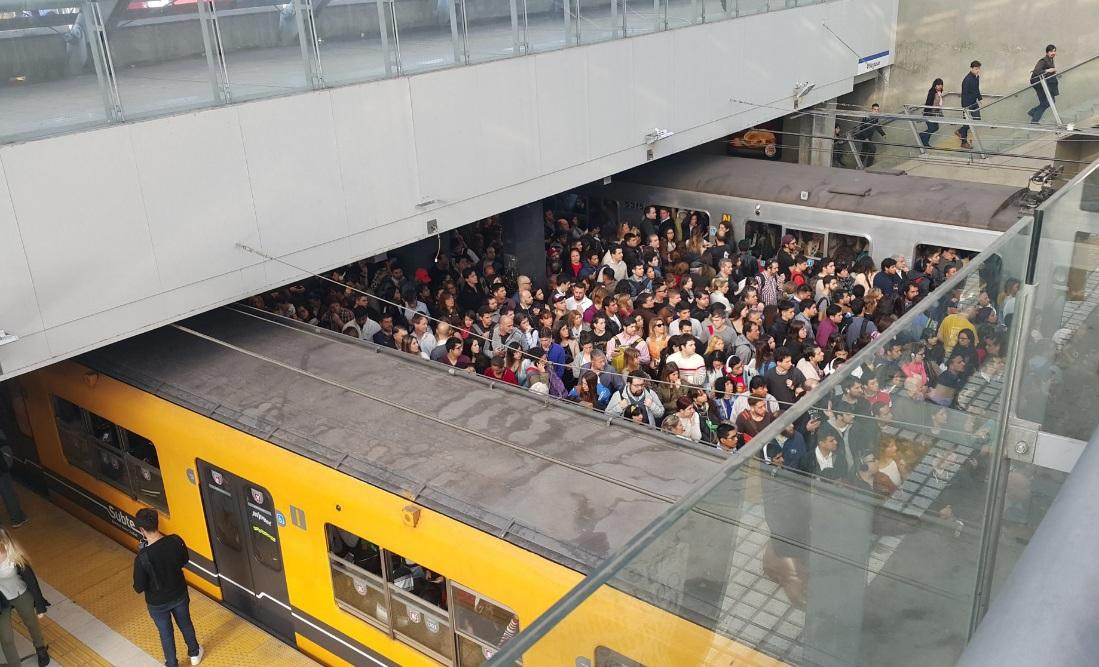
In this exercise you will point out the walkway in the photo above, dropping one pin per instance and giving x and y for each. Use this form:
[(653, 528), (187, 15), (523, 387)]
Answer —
[(97, 619)]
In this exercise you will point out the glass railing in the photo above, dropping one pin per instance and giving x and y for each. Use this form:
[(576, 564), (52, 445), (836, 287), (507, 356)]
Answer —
[(72, 65), (890, 519), (1005, 130)]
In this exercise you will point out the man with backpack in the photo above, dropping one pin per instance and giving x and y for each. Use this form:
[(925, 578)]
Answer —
[(1044, 69), (861, 330), (637, 394), (158, 573)]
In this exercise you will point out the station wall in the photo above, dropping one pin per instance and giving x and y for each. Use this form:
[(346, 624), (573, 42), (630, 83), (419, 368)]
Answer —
[(109, 232)]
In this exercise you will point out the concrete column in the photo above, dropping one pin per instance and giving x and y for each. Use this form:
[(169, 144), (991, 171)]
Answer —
[(815, 143), (523, 239)]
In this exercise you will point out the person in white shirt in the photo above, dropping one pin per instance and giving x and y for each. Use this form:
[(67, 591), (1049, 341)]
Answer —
[(614, 260), (422, 333), (691, 365), (579, 299)]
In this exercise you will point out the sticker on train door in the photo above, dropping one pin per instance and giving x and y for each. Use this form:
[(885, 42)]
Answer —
[(257, 496), (217, 477)]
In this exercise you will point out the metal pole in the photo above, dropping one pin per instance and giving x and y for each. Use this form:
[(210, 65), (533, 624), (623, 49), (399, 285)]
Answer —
[(516, 48), (915, 132), (976, 137), (211, 55), (101, 56), (855, 151), (465, 32), (383, 30), (454, 39), (307, 38), (1049, 98), (1000, 464)]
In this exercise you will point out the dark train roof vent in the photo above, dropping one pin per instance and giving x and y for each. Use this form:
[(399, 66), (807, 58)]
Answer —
[(853, 189)]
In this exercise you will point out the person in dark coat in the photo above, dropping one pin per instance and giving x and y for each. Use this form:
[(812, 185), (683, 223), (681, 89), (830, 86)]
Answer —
[(870, 126), (20, 593), (1044, 69), (932, 107), (971, 97)]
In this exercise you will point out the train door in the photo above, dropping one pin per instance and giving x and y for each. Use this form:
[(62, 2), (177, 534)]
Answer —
[(244, 534)]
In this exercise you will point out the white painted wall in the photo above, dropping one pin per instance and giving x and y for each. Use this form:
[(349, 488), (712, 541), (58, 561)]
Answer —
[(110, 232)]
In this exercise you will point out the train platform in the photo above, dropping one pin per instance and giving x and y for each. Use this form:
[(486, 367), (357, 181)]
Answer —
[(95, 618)]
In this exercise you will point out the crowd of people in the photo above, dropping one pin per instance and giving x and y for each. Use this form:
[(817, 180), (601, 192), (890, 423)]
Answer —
[(657, 321)]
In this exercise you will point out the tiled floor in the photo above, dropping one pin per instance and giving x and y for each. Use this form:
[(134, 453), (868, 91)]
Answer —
[(97, 619)]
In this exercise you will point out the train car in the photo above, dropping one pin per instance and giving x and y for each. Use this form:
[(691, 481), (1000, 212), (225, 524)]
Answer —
[(838, 213), (364, 505)]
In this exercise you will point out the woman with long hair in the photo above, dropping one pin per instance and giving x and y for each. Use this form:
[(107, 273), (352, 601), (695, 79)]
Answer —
[(657, 339), (863, 272), (765, 355), (671, 388), (19, 590), (932, 107)]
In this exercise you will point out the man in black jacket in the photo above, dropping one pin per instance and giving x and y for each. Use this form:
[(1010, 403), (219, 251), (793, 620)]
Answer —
[(158, 573), (1045, 69), (870, 126), (971, 97)]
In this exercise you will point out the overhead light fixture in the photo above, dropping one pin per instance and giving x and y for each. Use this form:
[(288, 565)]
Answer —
[(801, 90), (656, 135), (6, 337)]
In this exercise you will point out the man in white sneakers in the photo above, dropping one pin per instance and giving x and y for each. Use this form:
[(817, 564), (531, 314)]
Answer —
[(158, 573)]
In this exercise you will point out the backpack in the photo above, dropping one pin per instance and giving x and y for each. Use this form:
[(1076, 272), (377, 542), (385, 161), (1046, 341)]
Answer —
[(618, 359), (864, 339)]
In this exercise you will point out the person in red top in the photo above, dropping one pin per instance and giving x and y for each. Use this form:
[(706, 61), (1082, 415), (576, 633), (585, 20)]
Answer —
[(753, 420), (797, 271), (497, 371), (574, 266)]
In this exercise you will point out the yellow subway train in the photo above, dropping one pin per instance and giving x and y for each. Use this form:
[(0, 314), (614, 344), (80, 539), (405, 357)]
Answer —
[(361, 504)]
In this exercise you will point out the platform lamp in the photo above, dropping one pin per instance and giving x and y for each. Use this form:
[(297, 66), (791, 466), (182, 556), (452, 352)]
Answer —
[(801, 90), (6, 338)]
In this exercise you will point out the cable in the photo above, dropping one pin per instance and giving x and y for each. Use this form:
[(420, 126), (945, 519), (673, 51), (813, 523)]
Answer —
[(651, 381)]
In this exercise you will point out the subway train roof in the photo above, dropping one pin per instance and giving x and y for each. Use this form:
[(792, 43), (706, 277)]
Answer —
[(977, 205), (555, 480)]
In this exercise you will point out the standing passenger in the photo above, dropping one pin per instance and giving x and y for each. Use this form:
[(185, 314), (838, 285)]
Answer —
[(932, 106), (971, 97), (158, 573), (19, 589), (1045, 69)]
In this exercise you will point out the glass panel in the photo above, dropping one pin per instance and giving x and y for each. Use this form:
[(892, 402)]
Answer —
[(482, 619), (746, 7), (1059, 356), (262, 49), (47, 77), (159, 58), (811, 243), (542, 24), (642, 17), (68, 415), (424, 35), (488, 29), (349, 40), (681, 13), (764, 238), (265, 533), (353, 549), (845, 248), (78, 447), (111, 468), (423, 624), (848, 532), (357, 591), (223, 512), (718, 10), (598, 20), (148, 485), (1077, 93)]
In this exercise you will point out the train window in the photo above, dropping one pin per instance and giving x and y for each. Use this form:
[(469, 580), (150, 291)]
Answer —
[(845, 248), (74, 431), (67, 414), (419, 605), (763, 238), (811, 243), (261, 524), (357, 575), (482, 625)]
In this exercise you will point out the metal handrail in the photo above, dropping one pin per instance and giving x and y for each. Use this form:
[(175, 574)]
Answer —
[(1029, 86)]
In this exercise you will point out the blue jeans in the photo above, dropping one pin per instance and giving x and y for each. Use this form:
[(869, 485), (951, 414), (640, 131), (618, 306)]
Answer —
[(162, 616), (925, 136)]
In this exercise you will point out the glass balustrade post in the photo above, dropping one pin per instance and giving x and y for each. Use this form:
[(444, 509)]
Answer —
[(461, 53), (215, 56), (383, 29), (855, 151), (516, 45), (310, 47), (101, 58), (1049, 98)]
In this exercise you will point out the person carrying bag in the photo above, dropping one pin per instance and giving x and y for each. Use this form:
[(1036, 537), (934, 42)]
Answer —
[(19, 590)]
